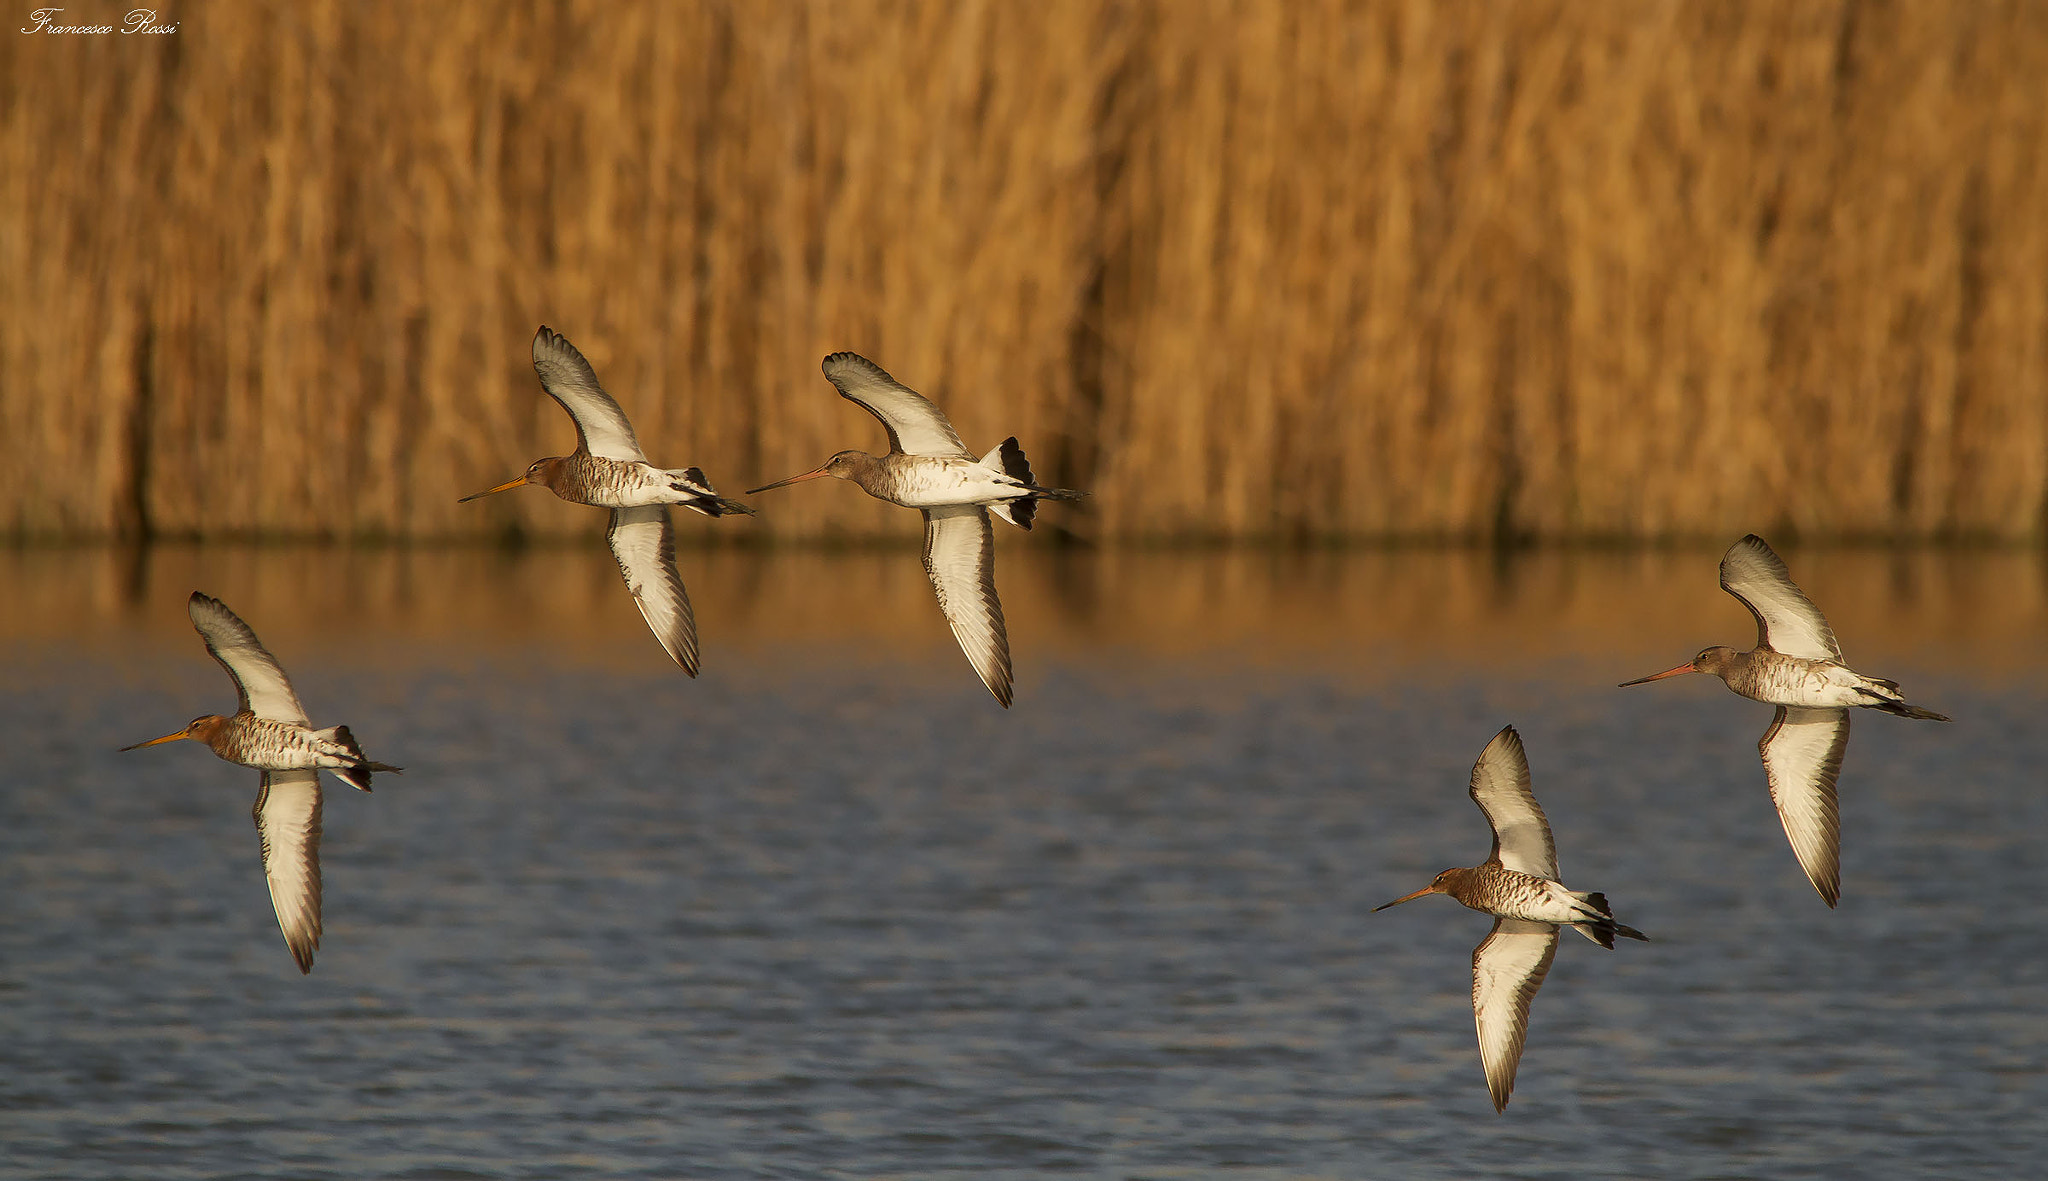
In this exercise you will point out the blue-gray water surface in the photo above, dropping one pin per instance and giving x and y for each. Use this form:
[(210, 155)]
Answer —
[(830, 912)]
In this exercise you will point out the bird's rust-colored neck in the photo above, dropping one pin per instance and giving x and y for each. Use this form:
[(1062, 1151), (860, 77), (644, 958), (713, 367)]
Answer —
[(1466, 885), (218, 732), (550, 473)]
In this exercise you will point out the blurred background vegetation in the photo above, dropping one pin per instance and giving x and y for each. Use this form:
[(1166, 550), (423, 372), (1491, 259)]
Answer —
[(1497, 271)]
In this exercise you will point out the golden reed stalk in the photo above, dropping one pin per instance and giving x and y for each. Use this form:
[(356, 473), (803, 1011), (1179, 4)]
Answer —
[(1313, 270)]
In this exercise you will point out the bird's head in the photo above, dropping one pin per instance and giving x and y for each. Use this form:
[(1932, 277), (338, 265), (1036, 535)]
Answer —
[(199, 729), (846, 465), (540, 472), (1714, 661), (1440, 884)]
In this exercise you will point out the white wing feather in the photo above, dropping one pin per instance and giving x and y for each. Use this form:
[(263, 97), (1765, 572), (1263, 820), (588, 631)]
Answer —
[(915, 426), (643, 540), (1786, 620), (959, 555), (1508, 967), (258, 678), (287, 817), (1500, 786), (1802, 754), (601, 427)]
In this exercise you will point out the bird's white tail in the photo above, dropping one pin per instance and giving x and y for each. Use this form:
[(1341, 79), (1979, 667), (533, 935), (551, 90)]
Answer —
[(1599, 925), (706, 499), (1890, 701), (357, 773), (1008, 458)]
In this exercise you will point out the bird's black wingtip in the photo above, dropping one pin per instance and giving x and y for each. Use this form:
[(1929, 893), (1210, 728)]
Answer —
[(547, 341), (848, 360)]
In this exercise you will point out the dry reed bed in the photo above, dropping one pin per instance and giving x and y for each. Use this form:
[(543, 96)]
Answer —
[(1322, 269)]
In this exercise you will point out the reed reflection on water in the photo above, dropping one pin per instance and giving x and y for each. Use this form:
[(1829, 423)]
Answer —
[(1985, 610), (829, 911)]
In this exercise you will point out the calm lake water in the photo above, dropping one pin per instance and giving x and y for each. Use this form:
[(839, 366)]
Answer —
[(828, 911)]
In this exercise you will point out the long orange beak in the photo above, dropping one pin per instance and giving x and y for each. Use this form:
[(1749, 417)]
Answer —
[(154, 741), (1429, 889), (500, 488), (1669, 672), (813, 474)]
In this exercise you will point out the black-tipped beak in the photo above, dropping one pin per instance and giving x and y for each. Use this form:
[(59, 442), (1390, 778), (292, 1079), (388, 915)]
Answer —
[(813, 474), (500, 488), (1429, 889), (1669, 672)]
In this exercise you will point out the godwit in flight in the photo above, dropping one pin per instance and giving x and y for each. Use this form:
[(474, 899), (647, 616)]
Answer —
[(929, 469), (269, 731), (1796, 666), (609, 470), (1518, 886)]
